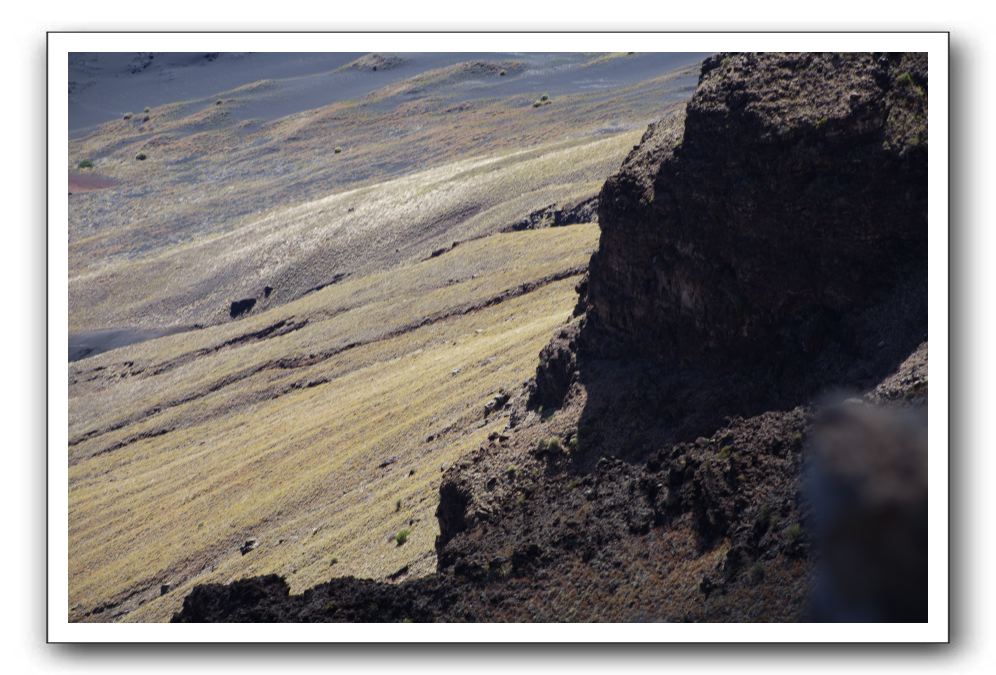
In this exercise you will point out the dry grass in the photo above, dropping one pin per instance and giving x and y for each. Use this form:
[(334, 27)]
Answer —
[(299, 468)]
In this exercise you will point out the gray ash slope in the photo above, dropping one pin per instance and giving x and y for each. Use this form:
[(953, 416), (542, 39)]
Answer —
[(761, 251), (104, 86)]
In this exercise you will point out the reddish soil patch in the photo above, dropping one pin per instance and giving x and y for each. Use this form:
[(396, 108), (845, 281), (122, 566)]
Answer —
[(88, 182)]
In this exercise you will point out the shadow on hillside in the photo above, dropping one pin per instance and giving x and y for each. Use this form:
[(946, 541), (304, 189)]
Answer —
[(635, 407)]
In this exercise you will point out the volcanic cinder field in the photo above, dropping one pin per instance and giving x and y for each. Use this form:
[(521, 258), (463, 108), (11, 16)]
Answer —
[(297, 281)]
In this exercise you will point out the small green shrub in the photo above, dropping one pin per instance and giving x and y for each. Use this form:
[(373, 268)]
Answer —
[(544, 97), (146, 109), (756, 572), (502, 73), (725, 452), (334, 561), (906, 80), (85, 164), (337, 150), (127, 116), (218, 102), (141, 157), (551, 444), (793, 534), (397, 506), (401, 537)]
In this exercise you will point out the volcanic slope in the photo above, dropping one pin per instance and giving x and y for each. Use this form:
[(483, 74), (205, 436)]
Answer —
[(653, 470), (318, 429), (325, 331)]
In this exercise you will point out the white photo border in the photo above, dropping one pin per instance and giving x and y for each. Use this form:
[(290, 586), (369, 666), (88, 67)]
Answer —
[(60, 44)]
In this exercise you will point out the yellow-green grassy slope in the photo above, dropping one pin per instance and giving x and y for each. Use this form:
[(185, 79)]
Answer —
[(276, 427)]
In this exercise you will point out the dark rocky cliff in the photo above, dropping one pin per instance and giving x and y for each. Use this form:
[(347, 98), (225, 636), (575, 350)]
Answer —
[(760, 249), (792, 191)]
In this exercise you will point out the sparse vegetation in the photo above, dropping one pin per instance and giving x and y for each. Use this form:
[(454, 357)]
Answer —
[(793, 534), (725, 452), (141, 156), (85, 164), (906, 80), (756, 573), (334, 561), (337, 150), (146, 110), (765, 515), (401, 537), (550, 444), (397, 506)]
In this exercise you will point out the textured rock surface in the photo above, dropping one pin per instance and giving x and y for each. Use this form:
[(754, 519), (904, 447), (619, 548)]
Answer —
[(792, 191)]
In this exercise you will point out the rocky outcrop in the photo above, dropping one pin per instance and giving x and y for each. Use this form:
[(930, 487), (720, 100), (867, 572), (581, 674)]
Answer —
[(554, 215), (791, 192)]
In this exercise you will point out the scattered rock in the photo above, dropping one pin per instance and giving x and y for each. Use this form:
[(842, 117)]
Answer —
[(241, 307), (497, 403), (585, 211)]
